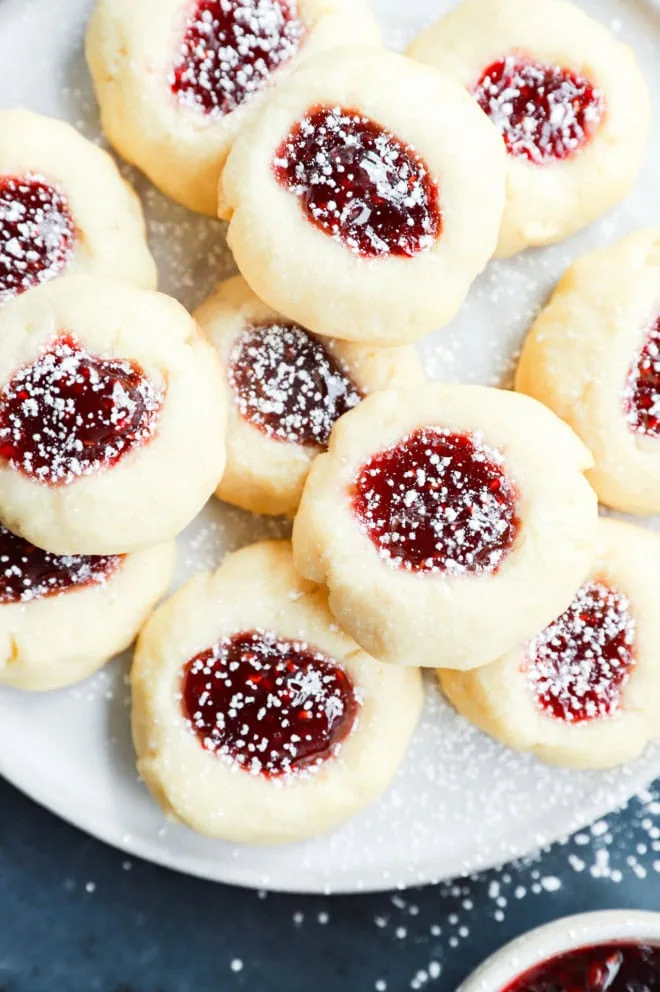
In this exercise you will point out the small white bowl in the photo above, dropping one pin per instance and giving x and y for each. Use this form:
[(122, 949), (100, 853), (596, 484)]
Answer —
[(568, 934)]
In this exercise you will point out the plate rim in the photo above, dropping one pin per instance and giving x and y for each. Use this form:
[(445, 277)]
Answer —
[(239, 873), (348, 884)]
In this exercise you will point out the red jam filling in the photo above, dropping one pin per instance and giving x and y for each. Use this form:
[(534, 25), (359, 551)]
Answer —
[(438, 502), (641, 396), (288, 385), (270, 705), (606, 968), (229, 50), (577, 667), (37, 233), (70, 413), (27, 572), (359, 183), (544, 113)]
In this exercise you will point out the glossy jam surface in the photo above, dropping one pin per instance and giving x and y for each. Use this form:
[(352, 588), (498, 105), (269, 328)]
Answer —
[(37, 233), (288, 385), (545, 113), (27, 572), (438, 502), (641, 395), (70, 413), (272, 706), (577, 667), (229, 50), (608, 968), (360, 184)]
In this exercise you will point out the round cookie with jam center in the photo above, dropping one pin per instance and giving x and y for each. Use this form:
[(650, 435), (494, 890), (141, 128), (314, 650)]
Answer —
[(584, 692), (255, 719), (449, 523), (364, 179), (176, 80), (63, 616), (112, 417), (569, 100), (287, 387), (593, 356), (64, 208)]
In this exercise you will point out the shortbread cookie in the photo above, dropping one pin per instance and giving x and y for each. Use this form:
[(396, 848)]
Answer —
[(593, 356), (177, 79), (449, 522), (112, 417), (365, 196), (255, 719), (585, 692), (64, 208), (287, 388), (569, 100), (63, 617)]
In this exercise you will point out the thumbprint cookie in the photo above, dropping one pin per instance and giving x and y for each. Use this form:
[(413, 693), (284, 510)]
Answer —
[(449, 523), (593, 356), (568, 99), (63, 616), (64, 208), (365, 196), (287, 387), (112, 417), (176, 80), (255, 718), (585, 691)]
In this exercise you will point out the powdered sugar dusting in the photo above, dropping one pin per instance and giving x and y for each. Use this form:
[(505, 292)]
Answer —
[(27, 572), (462, 801), (544, 112), (578, 666), (230, 49), (287, 384), (360, 184), (37, 233), (641, 394), (70, 413), (271, 706), (438, 502)]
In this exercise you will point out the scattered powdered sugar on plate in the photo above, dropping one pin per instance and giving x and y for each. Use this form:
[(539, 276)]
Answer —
[(462, 802), (425, 938)]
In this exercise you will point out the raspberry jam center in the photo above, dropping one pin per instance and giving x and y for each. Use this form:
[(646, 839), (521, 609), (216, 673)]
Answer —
[(27, 572), (577, 667), (607, 968), (359, 183), (229, 50), (70, 413), (270, 705), (438, 502), (288, 385), (544, 113), (37, 233), (641, 395)]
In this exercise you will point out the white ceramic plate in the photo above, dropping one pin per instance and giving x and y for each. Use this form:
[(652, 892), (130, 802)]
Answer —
[(461, 802)]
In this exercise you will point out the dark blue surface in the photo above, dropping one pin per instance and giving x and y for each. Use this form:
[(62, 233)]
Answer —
[(77, 916)]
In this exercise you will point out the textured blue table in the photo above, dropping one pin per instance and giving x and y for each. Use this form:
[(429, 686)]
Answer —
[(76, 916)]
